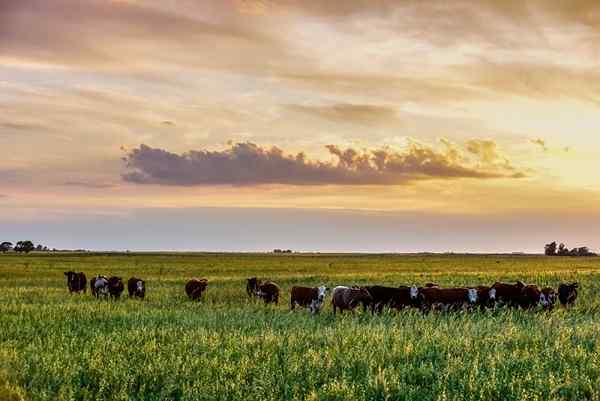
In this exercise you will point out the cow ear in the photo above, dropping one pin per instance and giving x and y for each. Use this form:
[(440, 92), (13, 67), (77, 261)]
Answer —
[(65, 273)]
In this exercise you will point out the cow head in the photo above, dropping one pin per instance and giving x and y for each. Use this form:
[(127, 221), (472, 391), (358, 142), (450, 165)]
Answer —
[(492, 294), (548, 298), (472, 295), (71, 275), (543, 300), (321, 292), (414, 292), (139, 286), (101, 285)]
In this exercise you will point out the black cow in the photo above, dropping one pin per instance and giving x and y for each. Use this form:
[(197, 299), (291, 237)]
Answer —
[(115, 287), (392, 297), (76, 282), (567, 293)]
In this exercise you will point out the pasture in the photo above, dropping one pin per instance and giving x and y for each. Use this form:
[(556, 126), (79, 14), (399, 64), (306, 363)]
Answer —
[(56, 346)]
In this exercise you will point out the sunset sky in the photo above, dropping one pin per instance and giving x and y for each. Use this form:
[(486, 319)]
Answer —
[(356, 125)]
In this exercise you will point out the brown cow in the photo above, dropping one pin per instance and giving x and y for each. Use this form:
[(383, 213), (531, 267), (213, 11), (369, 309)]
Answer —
[(268, 291), (99, 286), (567, 293), (345, 298), (447, 298), (486, 296), (115, 287), (308, 297), (530, 297), (508, 294), (195, 287), (136, 288), (76, 282)]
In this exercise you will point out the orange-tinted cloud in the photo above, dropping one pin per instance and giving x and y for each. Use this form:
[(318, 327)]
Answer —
[(250, 164)]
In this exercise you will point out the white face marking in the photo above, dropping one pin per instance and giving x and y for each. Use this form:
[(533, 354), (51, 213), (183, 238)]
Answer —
[(472, 294), (493, 294), (321, 292), (543, 300), (414, 291), (140, 286)]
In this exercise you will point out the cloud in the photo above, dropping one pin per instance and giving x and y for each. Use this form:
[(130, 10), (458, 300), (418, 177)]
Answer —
[(88, 185), (250, 164), (541, 143), (102, 32), (360, 113)]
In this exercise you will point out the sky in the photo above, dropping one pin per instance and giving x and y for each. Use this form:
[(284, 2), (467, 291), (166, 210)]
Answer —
[(248, 125)]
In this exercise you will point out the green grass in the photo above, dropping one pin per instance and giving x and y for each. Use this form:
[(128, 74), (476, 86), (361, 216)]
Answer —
[(59, 347)]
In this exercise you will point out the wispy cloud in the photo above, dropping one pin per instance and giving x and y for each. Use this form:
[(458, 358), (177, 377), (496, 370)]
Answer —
[(540, 143), (250, 164), (88, 185), (359, 113)]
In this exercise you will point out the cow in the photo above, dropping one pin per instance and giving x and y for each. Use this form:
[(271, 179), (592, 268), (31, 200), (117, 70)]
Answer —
[(393, 297), (268, 291), (76, 282), (447, 298), (115, 287), (252, 284), (345, 298), (548, 298), (136, 288), (99, 286), (486, 296), (508, 294), (195, 287), (308, 297), (430, 285), (531, 296), (567, 293)]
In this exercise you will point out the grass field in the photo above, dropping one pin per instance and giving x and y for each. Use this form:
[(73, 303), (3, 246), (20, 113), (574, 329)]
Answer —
[(59, 347)]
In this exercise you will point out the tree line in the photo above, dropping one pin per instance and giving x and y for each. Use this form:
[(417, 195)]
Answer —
[(552, 249), (22, 247)]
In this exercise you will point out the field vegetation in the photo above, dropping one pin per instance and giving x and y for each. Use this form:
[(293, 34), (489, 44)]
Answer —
[(56, 346)]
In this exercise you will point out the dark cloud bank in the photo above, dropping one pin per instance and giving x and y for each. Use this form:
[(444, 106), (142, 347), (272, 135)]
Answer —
[(250, 164)]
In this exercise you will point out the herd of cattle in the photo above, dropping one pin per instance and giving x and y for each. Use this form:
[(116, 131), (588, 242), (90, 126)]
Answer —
[(426, 298)]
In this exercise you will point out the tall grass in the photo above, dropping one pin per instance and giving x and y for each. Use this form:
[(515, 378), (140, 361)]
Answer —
[(59, 347)]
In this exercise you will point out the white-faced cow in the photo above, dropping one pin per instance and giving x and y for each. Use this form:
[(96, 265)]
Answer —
[(136, 288), (268, 291), (392, 297), (308, 297), (99, 286), (76, 282), (447, 298)]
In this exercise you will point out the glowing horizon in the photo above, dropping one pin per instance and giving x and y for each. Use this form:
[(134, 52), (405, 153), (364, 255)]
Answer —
[(483, 111)]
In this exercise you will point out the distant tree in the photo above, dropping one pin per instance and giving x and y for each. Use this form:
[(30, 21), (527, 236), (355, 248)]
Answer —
[(6, 246), (276, 250), (39, 248), (562, 250), (574, 252), (584, 251), (24, 246), (550, 249)]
